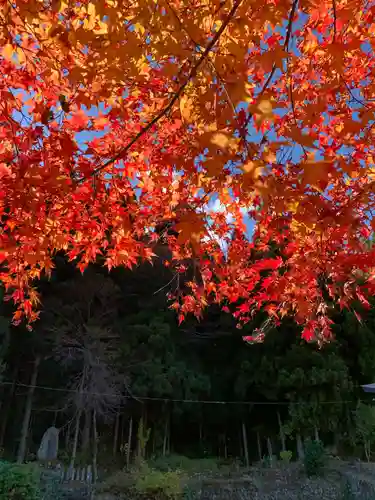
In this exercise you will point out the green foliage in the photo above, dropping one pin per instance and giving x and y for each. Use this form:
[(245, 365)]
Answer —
[(145, 481), (19, 482), (163, 485), (315, 458), (175, 462), (365, 427), (119, 483), (286, 456), (266, 461)]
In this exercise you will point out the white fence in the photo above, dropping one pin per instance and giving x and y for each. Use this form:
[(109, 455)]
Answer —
[(81, 474)]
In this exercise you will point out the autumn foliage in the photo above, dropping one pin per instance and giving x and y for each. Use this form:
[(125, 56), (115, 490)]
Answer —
[(117, 115)]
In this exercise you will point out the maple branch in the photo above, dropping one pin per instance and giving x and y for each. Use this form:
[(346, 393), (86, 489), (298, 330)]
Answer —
[(177, 95), (290, 24)]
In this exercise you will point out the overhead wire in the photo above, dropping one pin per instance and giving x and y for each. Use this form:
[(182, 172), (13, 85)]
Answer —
[(177, 400)]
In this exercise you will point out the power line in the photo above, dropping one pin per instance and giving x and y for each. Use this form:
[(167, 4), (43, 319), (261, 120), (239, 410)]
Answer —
[(172, 400)]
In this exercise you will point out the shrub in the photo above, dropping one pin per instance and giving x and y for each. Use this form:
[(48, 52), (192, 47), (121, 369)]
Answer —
[(286, 456), (19, 482), (118, 483), (315, 458), (180, 462), (145, 482), (165, 485)]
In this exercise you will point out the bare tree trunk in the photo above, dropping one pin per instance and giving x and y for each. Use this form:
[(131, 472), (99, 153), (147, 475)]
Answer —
[(78, 422), (300, 450), (259, 446), (225, 447), (67, 436), (269, 448), (282, 435), (28, 408), (122, 433), (129, 442), (75, 440), (115, 437), (240, 441), (244, 437), (316, 433), (368, 450), (86, 431), (165, 439), (169, 436), (7, 406), (95, 448), (336, 443)]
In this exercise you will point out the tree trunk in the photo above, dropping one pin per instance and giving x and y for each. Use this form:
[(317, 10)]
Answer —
[(368, 450), (282, 435), (225, 447), (122, 434), (169, 436), (316, 433), (78, 422), (240, 441), (86, 432), (75, 440), (129, 443), (153, 439), (95, 448), (67, 436), (269, 449), (259, 446), (336, 443), (8, 405), (244, 437), (115, 437), (300, 450), (165, 438), (28, 408)]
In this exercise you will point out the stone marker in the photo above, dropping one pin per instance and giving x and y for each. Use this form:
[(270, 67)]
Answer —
[(49, 445)]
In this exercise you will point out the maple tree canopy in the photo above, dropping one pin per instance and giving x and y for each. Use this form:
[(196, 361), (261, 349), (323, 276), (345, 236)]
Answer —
[(117, 115)]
